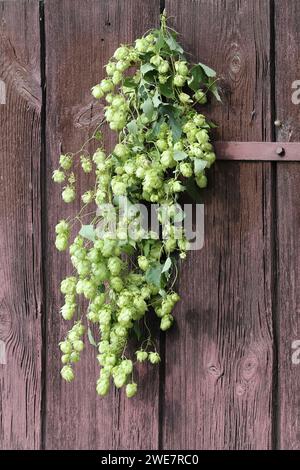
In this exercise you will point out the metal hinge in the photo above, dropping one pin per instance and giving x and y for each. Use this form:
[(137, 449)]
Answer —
[(258, 151)]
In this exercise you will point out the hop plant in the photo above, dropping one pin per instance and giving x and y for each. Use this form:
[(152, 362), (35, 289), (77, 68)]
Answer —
[(152, 98)]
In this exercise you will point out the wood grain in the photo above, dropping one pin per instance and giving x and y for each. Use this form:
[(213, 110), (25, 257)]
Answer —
[(219, 359), (81, 36), (287, 29), (20, 228)]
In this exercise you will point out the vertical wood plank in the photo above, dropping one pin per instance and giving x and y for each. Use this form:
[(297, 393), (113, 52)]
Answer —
[(287, 30), (20, 231), (219, 359), (81, 36)]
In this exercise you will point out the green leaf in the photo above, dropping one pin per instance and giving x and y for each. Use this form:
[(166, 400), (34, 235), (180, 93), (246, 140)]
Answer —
[(213, 88), (176, 128), (146, 247), (193, 190), (156, 128), (199, 165), (208, 71), (198, 76), (173, 44), (101, 288), (91, 338), (132, 127), (156, 99), (148, 108), (211, 124), (162, 293), (132, 243), (88, 232), (180, 155), (160, 42), (146, 68), (174, 120), (129, 83), (180, 215), (137, 149), (167, 265), (153, 274), (166, 89)]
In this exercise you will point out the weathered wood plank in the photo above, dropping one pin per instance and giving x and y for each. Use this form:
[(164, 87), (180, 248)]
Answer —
[(287, 30), (81, 35), (20, 228), (219, 359)]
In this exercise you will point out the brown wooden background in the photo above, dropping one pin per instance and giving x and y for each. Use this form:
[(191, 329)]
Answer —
[(227, 380)]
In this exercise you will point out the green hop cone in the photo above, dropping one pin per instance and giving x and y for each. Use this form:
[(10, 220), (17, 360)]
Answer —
[(62, 228), (66, 162), (68, 194), (179, 80), (99, 157), (120, 379), (61, 242), (181, 68), (201, 181), (131, 390), (68, 285), (163, 67), (110, 68), (58, 176), (97, 92), (73, 336), (66, 347), (141, 356), (202, 136), (154, 357), (210, 157), (141, 45), (200, 96), (121, 151), (186, 169), (185, 98), (67, 373), (167, 159), (117, 77), (78, 345), (79, 328), (116, 284), (66, 358), (102, 387), (74, 357), (87, 197), (68, 311), (86, 164), (106, 86), (122, 65), (126, 366), (121, 53), (166, 322), (115, 265), (199, 120), (143, 263)]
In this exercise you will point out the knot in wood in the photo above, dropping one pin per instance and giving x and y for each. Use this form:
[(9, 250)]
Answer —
[(215, 371), (235, 63)]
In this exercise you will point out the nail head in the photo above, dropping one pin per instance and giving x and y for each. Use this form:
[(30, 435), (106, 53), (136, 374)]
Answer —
[(280, 151)]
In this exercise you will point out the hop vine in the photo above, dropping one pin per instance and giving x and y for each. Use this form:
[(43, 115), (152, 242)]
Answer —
[(152, 96)]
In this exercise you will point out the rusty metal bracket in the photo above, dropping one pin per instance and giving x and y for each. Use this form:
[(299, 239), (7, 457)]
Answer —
[(258, 151)]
